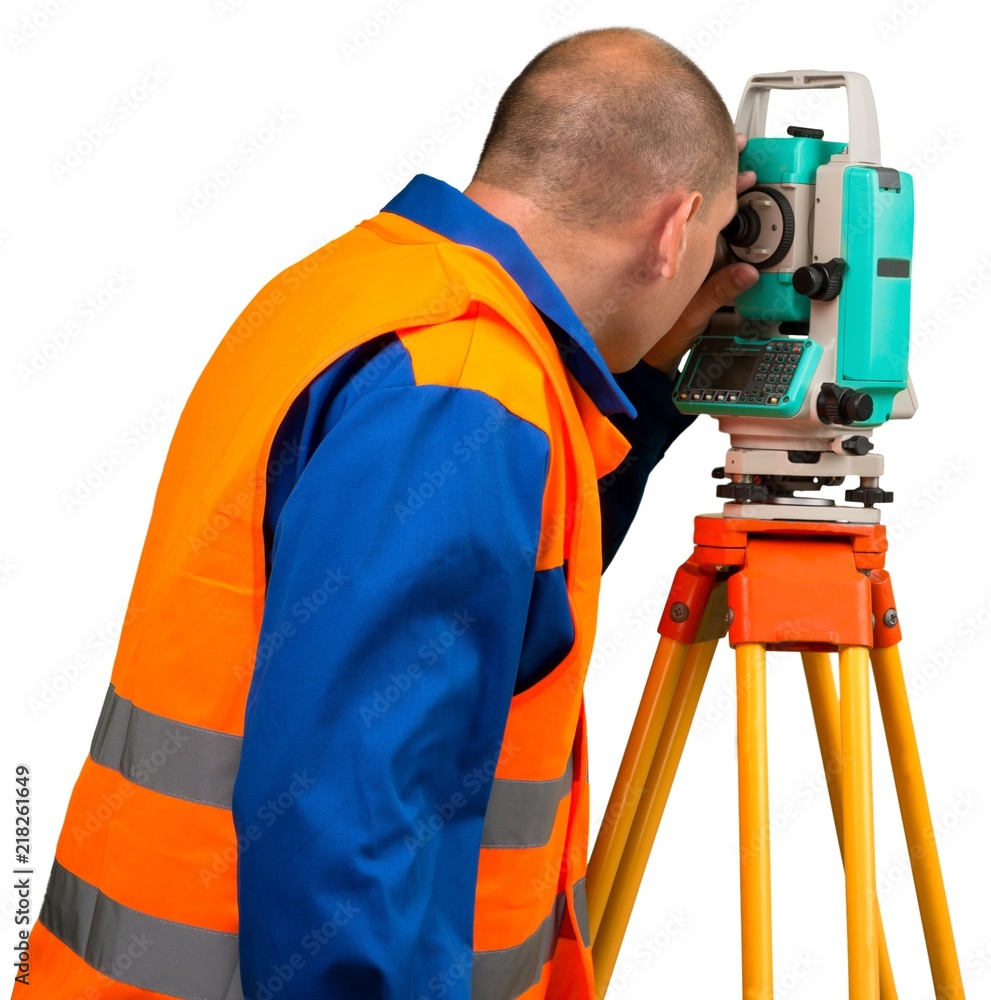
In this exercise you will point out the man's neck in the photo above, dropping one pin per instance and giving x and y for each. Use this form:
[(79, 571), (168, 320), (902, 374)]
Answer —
[(586, 269)]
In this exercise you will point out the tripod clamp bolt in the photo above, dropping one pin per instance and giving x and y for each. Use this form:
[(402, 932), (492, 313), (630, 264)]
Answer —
[(869, 495), (679, 612), (743, 492), (890, 618)]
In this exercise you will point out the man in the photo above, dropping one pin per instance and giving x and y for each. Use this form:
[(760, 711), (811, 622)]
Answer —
[(344, 740)]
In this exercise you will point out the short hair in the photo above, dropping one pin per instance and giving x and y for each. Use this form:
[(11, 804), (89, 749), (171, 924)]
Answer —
[(599, 122)]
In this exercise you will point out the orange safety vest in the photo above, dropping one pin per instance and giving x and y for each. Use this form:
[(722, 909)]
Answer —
[(142, 897)]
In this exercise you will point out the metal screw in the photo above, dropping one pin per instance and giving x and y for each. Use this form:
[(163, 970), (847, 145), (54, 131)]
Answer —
[(678, 612), (729, 616), (890, 618)]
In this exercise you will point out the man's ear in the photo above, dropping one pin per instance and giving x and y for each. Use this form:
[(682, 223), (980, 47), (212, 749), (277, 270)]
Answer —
[(676, 214)]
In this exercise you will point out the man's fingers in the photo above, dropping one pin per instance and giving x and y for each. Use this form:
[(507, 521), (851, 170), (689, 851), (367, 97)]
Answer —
[(746, 178), (720, 290), (730, 281)]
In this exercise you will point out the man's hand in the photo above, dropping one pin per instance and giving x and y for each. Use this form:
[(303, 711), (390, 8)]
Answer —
[(721, 287)]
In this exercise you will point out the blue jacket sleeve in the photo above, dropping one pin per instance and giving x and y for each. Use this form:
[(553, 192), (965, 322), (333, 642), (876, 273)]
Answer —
[(657, 424), (390, 642)]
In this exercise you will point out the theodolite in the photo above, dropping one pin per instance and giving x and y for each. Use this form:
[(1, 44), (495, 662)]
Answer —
[(815, 355), (799, 373)]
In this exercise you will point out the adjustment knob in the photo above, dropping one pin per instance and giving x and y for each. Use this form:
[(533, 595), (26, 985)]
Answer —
[(859, 444), (839, 405), (820, 281), (855, 406)]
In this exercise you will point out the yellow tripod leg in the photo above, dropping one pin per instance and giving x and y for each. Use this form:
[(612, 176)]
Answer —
[(755, 839), (826, 712), (916, 818), (610, 841), (858, 824), (629, 874)]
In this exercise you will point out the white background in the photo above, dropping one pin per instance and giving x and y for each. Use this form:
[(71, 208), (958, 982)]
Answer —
[(358, 110)]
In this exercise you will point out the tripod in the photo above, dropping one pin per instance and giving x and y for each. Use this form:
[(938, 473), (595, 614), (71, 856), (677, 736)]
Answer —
[(806, 586)]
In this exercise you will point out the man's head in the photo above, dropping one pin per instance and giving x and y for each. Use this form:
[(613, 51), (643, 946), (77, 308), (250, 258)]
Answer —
[(615, 144)]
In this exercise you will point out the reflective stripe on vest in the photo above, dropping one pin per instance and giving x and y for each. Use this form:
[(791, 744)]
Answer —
[(522, 813), (135, 948), (167, 756), (510, 972), (139, 950), (200, 765)]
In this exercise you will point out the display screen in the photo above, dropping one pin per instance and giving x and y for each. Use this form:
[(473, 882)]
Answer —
[(723, 371)]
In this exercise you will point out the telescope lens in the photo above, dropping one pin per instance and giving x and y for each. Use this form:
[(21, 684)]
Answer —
[(744, 229)]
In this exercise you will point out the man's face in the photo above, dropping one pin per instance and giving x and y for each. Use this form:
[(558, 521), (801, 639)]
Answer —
[(658, 303), (701, 248)]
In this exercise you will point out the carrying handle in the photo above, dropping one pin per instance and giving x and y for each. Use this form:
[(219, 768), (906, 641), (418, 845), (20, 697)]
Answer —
[(865, 143)]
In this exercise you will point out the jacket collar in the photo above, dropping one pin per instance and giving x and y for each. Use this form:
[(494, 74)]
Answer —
[(436, 205)]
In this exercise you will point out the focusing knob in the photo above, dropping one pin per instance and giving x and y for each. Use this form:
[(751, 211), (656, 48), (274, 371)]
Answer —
[(820, 281), (763, 214), (744, 229), (839, 405)]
